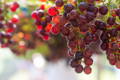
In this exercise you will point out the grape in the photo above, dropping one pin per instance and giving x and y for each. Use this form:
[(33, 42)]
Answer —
[(103, 10), (1, 18), (1, 25), (112, 61), (59, 3), (90, 16), (65, 31), (82, 20), (104, 37), (88, 61), (87, 53), (40, 13), (104, 46), (2, 35), (1, 10), (34, 14), (14, 6), (111, 21), (71, 36), (82, 6), (100, 25), (88, 38), (55, 29), (8, 35), (83, 28), (74, 63), (44, 23), (118, 64), (118, 12), (87, 70), (111, 56), (72, 15), (68, 7), (78, 55), (52, 11), (95, 37), (79, 69), (72, 44), (48, 18), (74, 23), (113, 32), (92, 8)]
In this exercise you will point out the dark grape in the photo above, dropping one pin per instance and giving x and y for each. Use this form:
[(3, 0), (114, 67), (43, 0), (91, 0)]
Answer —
[(111, 21), (59, 3), (79, 69), (104, 46), (104, 37), (1, 10), (74, 63), (113, 32), (78, 55), (68, 7), (90, 16), (72, 15), (1, 25), (103, 10), (48, 18), (100, 25), (92, 8), (82, 20), (118, 12), (83, 6), (40, 13)]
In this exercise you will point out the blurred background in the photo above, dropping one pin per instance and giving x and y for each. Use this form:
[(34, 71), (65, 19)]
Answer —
[(38, 68), (31, 58)]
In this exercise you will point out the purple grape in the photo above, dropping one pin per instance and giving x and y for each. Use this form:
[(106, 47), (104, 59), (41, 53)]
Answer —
[(68, 7), (103, 10), (111, 21), (59, 3), (82, 6)]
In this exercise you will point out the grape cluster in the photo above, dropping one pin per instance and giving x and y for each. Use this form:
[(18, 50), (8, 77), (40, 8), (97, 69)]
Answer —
[(7, 25), (47, 22), (82, 24)]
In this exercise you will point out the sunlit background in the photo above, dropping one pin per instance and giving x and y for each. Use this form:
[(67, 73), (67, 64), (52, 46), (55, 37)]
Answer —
[(14, 68)]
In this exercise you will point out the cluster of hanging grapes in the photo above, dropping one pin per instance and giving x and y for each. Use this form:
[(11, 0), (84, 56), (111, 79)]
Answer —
[(82, 24), (7, 25)]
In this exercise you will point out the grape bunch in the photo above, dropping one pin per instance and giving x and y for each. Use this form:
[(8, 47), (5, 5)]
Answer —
[(7, 23), (83, 25), (47, 22)]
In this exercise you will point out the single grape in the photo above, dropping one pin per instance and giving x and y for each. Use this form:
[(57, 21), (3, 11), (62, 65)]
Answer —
[(79, 68), (59, 3), (111, 21), (103, 10), (88, 61), (87, 69), (68, 8), (118, 12), (52, 11), (78, 55), (82, 6)]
